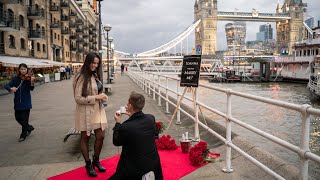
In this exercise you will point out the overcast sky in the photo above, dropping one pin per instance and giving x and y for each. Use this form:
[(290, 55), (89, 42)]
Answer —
[(141, 25)]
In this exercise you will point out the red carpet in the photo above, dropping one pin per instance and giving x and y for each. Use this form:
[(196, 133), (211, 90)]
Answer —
[(174, 166)]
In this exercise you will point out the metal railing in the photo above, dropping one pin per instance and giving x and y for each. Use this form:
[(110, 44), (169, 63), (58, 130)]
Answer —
[(150, 81)]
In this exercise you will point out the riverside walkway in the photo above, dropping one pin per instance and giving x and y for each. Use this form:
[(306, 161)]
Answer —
[(44, 154)]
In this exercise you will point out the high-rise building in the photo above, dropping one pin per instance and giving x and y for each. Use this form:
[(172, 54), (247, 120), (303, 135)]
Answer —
[(265, 33), (310, 22), (236, 36)]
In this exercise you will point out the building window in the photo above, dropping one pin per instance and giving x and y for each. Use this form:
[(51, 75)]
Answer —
[(43, 47), (209, 12), (22, 44), (38, 47), (12, 42), (58, 37), (55, 35), (21, 21)]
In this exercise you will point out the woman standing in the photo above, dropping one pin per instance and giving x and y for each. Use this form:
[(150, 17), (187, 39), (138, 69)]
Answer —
[(90, 114), (21, 86)]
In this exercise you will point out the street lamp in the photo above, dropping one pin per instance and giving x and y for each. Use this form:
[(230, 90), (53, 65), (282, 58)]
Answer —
[(109, 51), (107, 28), (100, 43)]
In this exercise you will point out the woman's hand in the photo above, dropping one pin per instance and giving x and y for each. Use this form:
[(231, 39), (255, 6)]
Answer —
[(13, 89), (102, 97)]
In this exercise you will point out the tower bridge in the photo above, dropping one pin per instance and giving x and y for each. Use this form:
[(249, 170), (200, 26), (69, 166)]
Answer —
[(289, 19)]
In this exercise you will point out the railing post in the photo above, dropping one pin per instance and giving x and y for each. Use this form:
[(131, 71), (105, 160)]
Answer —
[(154, 87), (196, 127), (228, 168), (167, 97), (146, 82), (304, 142), (143, 81), (149, 80), (178, 97), (159, 97)]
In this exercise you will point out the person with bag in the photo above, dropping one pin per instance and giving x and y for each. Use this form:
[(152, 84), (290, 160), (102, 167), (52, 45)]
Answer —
[(21, 85), (90, 113)]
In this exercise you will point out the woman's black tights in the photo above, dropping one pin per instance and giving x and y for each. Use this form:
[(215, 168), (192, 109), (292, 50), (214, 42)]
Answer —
[(97, 144)]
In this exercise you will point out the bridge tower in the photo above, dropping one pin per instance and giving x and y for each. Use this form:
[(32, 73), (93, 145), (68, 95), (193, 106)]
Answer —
[(206, 31), (290, 31)]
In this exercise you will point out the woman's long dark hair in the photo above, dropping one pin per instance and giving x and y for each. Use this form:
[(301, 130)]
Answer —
[(22, 65), (87, 73)]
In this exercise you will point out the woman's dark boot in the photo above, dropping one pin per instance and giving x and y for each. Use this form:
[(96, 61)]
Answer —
[(90, 169), (96, 163)]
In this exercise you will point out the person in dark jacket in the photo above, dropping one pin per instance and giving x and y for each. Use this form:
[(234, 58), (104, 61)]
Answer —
[(21, 85), (137, 137)]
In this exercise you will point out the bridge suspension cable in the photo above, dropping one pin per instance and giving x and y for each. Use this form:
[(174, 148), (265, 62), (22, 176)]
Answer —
[(171, 43)]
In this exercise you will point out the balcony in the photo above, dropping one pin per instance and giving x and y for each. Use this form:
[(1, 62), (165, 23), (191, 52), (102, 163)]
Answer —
[(72, 24), (35, 13), (94, 35), (64, 4), (85, 36), (79, 31), (54, 8), (9, 22), (55, 25), (65, 31), (80, 50), (10, 1), (73, 49), (64, 18), (85, 27), (73, 13), (73, 37), (35, 34), (80, 40), (85, 45), (90, 39), (79, 22), (95, 42), (94, 29), (90, 32), (91, 48)]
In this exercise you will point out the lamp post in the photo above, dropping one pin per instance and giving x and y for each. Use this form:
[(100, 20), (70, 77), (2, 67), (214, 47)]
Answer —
[(109, 51), (107, 28), (100, 43)]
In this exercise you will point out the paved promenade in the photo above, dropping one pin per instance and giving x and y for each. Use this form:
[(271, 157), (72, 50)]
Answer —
[(44, 154)]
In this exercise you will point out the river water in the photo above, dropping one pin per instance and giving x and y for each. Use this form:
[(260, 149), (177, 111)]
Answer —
[(280, 122)]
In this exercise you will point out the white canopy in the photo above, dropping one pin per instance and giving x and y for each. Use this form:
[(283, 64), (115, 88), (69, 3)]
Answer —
[(52, 63), (12, 61)]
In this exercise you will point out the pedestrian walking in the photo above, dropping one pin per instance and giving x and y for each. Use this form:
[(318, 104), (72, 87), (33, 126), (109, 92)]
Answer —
[(21, 85), (90, 114), (122, 69)]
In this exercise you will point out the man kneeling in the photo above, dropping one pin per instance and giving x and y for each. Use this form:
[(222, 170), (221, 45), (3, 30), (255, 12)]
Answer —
[(136, 136)]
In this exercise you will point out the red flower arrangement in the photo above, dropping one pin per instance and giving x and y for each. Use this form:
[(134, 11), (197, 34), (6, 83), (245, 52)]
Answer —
[(200, 154), (160, 127), (166, 143)]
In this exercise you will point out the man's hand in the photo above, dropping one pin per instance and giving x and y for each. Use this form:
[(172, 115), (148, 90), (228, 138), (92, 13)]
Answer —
[(117, 117), (13, 89)]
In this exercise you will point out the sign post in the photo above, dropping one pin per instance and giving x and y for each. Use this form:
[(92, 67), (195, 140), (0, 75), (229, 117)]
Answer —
[(190, 74)]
